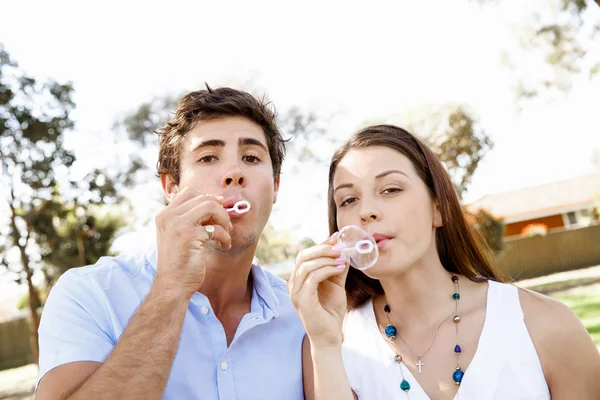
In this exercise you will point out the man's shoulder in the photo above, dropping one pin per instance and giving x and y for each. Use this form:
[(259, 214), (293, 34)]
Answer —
[(105, 274), (129, 263), (90, 288)]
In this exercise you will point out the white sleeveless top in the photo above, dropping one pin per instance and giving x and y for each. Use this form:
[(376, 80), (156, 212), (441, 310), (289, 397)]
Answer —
[(505, 366)]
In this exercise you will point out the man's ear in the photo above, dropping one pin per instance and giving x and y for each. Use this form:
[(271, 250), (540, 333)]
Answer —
[(276, 191), (437, 215), (170, 188)]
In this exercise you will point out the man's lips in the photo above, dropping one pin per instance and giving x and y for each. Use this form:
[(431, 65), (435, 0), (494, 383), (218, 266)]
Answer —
[(230, 203), (230, 206)]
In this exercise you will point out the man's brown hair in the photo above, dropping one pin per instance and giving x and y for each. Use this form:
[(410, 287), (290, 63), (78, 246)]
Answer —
[(210, 104)]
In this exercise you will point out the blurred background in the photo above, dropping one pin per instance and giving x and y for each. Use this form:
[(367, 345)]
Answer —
[(506, 92)]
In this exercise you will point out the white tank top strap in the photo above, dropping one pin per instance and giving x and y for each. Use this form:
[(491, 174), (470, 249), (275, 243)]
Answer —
[(503, 301)]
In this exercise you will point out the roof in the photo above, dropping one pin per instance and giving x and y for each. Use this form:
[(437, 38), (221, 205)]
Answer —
[(536, 201)]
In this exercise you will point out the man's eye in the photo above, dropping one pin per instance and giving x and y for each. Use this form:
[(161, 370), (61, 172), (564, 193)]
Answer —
[(207, 159), (251, 159)]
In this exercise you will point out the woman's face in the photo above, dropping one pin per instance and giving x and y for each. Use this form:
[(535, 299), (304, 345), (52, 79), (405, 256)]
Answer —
[(378, 189)]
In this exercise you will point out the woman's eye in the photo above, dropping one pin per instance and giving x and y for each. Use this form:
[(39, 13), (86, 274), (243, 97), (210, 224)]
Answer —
[(347, 202), (391, 190)]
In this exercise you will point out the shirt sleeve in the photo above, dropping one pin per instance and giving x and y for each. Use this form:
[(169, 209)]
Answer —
[(74, 324)]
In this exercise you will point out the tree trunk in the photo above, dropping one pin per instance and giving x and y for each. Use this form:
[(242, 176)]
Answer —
[(34, 302), (34, 296)]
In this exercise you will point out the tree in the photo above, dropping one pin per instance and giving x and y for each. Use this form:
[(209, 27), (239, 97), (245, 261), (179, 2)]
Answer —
[(455, 137), (308, 133), (37, 183), (274, 246), (453, 134), (490, 230), (277, 246), (553, 46), (71, 235)]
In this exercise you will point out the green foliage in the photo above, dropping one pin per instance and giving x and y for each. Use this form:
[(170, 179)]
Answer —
[(72, 236), (149, 116), (453, 134), (559, 34), (276, 246), (490, 229), (48, 207)]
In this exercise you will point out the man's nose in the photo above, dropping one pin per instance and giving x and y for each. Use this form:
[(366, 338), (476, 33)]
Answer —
[(234, 176)]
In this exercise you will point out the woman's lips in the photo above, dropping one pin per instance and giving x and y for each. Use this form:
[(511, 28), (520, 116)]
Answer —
[(381, 239)]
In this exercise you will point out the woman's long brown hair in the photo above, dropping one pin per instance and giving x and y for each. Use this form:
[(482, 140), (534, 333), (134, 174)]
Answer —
[(459, 250)]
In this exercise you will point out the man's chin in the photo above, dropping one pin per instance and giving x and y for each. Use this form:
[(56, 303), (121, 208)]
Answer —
[(239, 245)]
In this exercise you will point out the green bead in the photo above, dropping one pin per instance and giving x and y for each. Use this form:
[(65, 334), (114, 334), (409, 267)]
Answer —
[(456, 296), (405, 385)]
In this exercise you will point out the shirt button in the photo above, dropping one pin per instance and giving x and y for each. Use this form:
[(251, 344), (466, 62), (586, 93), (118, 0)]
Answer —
[(224, 365), (204, 310)]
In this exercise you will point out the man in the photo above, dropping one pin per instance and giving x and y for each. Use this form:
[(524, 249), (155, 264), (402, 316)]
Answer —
[(197, 317)]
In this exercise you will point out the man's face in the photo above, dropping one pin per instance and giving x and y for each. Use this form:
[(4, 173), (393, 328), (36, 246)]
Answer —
[(229, 157)]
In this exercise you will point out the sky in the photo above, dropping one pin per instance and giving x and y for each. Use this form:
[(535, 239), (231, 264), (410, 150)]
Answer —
[(354, 60)]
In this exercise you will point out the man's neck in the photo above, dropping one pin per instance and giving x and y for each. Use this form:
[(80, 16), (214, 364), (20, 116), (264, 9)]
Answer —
[(228, 283)]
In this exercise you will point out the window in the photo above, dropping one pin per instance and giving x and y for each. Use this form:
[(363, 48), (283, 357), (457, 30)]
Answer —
[(579, 218)]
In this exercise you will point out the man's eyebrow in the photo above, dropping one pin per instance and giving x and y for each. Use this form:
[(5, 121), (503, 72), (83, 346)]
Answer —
[(246, 141), (207, 143)]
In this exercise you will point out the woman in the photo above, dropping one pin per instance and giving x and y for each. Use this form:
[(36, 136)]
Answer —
[(432, 318)]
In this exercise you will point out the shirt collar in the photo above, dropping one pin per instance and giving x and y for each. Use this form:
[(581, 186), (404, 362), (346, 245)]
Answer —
[(261, 282)]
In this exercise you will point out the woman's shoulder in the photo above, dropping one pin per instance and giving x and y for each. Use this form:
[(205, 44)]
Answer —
[(557, 333), (548, 319)]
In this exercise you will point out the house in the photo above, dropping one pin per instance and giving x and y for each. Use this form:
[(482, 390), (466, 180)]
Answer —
[(551, 207)]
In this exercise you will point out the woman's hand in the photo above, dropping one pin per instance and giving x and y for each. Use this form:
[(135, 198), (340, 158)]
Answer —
[(317, 291)]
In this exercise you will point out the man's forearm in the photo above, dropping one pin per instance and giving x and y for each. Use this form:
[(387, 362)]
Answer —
[(140, 364)]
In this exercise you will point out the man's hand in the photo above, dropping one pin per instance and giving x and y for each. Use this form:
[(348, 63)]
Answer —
[(182, 237)]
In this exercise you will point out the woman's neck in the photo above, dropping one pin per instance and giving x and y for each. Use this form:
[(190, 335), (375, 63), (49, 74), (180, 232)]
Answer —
[(421, 295)]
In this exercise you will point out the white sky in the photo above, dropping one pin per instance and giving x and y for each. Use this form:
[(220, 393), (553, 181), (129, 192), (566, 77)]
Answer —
[(357, 60)]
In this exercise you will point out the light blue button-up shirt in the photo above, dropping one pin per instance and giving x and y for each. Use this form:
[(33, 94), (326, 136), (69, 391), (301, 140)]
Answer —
[(89, 308)]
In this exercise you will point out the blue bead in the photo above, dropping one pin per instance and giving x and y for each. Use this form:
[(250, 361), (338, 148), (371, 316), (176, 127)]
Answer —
[(391, 331), (456, 296), (457, 349), (405, 385), (458, 376)]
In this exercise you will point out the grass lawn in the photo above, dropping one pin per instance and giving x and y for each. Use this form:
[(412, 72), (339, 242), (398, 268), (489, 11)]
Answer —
[(585, 301), (580, 290)]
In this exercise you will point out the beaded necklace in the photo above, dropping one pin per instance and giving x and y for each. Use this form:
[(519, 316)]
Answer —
[(391, 332)]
